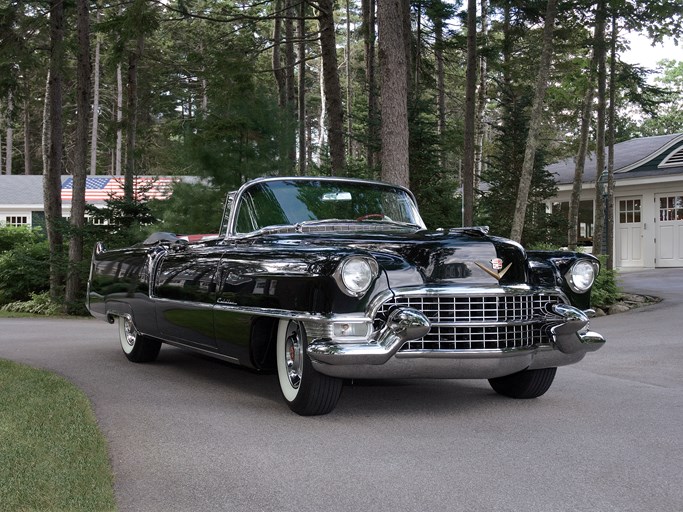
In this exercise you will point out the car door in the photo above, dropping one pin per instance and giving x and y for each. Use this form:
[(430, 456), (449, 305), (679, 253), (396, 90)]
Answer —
[(185, 293)]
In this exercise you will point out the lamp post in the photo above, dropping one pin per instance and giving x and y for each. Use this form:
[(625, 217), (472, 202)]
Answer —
[(604, 190)]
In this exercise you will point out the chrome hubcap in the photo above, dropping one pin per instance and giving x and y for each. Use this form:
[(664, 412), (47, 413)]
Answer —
[(130, 332), (293, 356)]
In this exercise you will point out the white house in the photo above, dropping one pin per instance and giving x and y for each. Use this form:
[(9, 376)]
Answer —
[(21, 196), (648, 200)]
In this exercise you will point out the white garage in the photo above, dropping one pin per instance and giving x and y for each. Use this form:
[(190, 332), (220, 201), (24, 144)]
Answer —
[(648, 200)]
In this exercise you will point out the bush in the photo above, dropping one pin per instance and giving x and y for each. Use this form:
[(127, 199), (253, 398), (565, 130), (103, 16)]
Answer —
[(11, 237), (605, 290), (24, 269), (38, 304)]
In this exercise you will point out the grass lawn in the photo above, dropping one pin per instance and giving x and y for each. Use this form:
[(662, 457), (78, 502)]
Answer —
[(52, 454)]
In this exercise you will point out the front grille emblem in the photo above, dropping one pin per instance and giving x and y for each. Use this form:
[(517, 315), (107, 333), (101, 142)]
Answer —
[(497, 265)]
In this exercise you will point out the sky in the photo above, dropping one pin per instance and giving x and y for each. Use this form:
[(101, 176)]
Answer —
[(643, 53)]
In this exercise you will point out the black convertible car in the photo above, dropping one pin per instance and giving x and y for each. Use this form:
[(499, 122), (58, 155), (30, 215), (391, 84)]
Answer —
[(325, 279)]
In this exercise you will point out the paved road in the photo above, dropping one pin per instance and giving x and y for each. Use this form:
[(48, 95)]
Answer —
[(187, 433)]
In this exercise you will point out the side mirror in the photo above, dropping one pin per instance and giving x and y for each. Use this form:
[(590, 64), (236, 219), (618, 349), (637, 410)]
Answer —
[(180, 245)]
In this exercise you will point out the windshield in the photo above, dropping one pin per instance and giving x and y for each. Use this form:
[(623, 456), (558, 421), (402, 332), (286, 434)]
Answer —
[(288, 202)]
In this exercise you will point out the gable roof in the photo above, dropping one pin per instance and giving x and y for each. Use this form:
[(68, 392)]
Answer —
[(19, 189), (660, 155)]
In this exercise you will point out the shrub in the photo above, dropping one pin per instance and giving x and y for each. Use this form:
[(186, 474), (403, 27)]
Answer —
[(39, 304), (605, 290), (11, 237), (24, 269)]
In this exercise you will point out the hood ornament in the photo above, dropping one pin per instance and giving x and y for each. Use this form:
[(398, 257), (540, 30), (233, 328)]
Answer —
[(496, 265)]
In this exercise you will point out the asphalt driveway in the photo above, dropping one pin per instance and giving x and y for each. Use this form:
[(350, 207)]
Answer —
[(193, 434)]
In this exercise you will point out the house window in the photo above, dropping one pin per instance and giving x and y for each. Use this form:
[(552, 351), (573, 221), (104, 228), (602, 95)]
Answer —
[(671, 208), (97, 221), (629, 211), (584, 226), (16, 220)]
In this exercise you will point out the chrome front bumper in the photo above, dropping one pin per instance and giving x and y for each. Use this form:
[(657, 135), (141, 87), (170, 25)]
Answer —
[(380, 357)]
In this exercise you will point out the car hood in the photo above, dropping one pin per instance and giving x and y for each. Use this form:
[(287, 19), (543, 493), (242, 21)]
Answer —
[(429, 257)]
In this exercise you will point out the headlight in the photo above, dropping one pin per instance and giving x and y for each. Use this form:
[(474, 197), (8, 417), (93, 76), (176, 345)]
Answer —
[(581, 276), (355, 275)]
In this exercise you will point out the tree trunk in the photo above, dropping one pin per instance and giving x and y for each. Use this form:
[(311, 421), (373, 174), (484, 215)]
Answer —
[(118, 154), (28, 161), (52, 182), (470, 114), (278, 72), (132, 117), (45, 132), (481, 99), (9, 137), (575, 200), (290, 64), (95, 102), (534, 123), (334, 107), (415, 90), (609, 222), (393, 67), (73, 281), (349, 119), (600, 50), (322, 132), (301, 27), (369, 41), (440, 86)]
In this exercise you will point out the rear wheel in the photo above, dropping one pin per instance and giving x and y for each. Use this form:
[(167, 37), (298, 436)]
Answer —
[(306, 391), (524, 384), (136, 347)]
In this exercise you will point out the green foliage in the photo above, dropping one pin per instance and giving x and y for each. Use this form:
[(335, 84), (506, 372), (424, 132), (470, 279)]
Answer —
[(38, 304), (605, 290), (239, 140), (24, 269), (666, 116), (121, 223), (435, 189), (11, 237), (52, 454), (192, 209), (504, 171)]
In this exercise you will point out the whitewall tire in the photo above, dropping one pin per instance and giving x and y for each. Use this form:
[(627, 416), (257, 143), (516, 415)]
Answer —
[(306, 391)]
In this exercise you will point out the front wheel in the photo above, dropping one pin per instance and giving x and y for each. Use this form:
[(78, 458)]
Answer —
[(136, 347), (306, 391), (524, 384)]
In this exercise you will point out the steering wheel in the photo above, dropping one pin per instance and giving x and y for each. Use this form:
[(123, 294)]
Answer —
[(367, 216)]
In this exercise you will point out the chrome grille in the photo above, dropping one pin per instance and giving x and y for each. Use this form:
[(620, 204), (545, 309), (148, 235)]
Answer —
[(479, 322)]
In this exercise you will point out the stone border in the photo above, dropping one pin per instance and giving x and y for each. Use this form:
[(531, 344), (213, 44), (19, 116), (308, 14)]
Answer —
[(626, 302)]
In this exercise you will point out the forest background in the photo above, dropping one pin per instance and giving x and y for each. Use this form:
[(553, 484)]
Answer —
[(465, 103)]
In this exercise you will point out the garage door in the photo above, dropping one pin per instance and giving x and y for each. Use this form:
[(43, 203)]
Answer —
[(670, 230), (629, 232)]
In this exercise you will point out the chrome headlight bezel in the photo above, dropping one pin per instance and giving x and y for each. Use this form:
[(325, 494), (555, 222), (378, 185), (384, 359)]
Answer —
[(581, 276), (355, 275)]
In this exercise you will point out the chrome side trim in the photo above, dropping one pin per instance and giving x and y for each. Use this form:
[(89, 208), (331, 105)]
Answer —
[(286, 314), (211, 353)]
